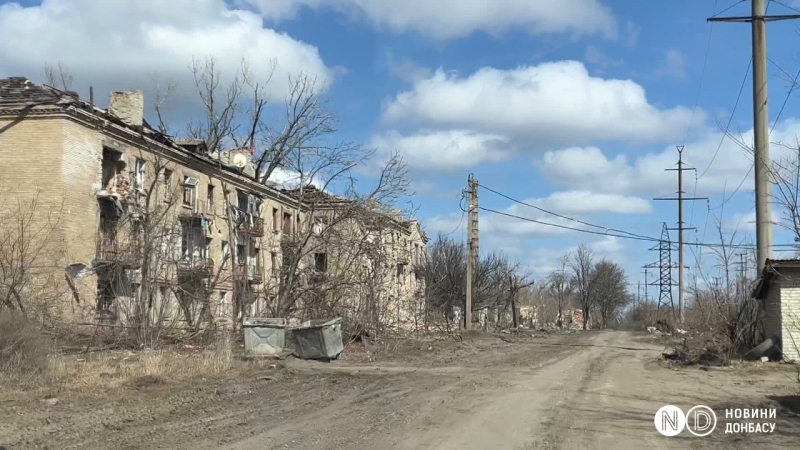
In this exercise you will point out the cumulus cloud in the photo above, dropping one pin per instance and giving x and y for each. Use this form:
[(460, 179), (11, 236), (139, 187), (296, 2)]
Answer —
[(601, 172), (119, 45), (444, 150), (590, 202), (674, 65), (543, 224), (446, 19), (541, 103)]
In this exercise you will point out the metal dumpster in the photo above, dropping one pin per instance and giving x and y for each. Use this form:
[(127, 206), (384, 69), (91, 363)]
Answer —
[(318, 339), (264, 336)]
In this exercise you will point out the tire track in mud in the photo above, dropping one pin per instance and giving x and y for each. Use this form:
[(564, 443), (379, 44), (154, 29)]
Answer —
[(557, 419)]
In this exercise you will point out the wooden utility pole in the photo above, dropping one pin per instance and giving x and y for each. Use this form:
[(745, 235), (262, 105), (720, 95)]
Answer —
[(758, 19), (680, 228), (472, 245)]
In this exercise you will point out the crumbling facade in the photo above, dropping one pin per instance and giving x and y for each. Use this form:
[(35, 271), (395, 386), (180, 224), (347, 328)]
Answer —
[(779, 290), (150, 227)]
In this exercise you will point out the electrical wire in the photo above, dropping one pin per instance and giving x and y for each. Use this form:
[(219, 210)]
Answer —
[(562, 216), (725, 134), (618, 235), (726, 9), (702, 73), (786, 6), (774, 124)]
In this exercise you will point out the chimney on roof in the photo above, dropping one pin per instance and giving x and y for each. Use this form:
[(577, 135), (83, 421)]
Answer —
[(128, 106)]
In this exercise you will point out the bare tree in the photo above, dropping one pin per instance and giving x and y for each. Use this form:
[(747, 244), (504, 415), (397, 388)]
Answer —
[(582, 265), (58, 77), (303, 144), (610, 290), (30, 271), (560, 286)]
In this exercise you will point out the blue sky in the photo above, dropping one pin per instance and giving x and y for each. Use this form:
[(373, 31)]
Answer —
[(575, 106)]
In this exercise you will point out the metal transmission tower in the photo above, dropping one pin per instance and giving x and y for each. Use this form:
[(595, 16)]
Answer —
[(664, 266), (680, 228)]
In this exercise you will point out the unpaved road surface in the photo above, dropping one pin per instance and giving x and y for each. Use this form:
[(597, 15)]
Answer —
[(597, 390)]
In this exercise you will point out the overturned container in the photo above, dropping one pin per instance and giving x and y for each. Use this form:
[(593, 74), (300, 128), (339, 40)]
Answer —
[(318, 339), (264, 336)]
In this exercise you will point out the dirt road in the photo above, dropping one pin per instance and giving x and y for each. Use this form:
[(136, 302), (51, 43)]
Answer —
[(572, 391)]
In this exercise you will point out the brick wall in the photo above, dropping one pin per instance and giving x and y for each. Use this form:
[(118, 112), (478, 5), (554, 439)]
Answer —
[(790, 313)]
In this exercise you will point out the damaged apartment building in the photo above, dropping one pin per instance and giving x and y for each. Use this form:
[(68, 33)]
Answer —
[(137, 214)]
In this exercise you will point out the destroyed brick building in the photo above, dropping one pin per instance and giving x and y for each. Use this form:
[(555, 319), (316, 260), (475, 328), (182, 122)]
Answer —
[(126, 200), (779, 290)]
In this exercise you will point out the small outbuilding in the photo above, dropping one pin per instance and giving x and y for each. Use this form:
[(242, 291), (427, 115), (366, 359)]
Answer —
[(779, 289)]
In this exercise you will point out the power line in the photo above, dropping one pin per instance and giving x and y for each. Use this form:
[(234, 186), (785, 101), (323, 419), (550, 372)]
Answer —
[(726, 9), (572, 219), (703, 72), (786, 6), (774, 124), (728, 125), (623, 236)]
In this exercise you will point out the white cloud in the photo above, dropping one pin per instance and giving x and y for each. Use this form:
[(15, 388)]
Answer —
[(632, 32), (543, 224), (443, 150), (290, 179), (674, 65), (596, 171), (445, 19), (743, 223), (406, 69), (542, 261), (550, 104), (597, 57), (587, 202), (119, 44)]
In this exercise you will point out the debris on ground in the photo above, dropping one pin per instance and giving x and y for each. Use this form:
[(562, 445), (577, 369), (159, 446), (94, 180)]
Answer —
[(711, 360), (761, 350), (674, 354)]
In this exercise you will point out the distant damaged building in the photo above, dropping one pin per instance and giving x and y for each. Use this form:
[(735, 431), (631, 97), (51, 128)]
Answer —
[(130, 213)]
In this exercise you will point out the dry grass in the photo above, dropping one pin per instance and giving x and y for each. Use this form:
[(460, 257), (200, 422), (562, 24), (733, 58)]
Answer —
[(102, 373), (23, 350)]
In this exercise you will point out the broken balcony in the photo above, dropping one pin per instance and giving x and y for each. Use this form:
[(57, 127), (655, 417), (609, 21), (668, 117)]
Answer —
[(250, 273), (124, 254), (250, 224), (196, 267)]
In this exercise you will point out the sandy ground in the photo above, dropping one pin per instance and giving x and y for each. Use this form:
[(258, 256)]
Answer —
[(572, 391)]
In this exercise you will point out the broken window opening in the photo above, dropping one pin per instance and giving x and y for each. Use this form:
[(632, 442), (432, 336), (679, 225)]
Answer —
[(190, 191), (321, 262), (275, 263), (105, 296), (113, 168), (138, 173), (210, 197), (226, 253), (275, 219), (167, 180), (287, 223), (194, 244)]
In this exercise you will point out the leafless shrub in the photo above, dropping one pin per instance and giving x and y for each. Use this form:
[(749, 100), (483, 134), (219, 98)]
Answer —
[(31, 273), (58, 77), (23, 348)]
